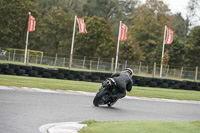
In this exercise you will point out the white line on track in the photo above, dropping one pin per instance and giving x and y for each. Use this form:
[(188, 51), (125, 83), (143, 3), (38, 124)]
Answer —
[(92, 94), (65, 127)]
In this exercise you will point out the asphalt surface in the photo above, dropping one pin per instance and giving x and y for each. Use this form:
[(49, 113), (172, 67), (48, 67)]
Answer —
[(25, 112)]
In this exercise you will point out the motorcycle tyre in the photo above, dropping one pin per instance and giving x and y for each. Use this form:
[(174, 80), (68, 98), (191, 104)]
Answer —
[(98, 97)]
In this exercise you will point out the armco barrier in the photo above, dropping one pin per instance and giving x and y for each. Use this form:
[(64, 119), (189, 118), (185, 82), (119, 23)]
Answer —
[(98, 77)]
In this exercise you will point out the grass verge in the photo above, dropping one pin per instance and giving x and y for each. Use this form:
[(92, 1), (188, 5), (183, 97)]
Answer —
[(46, 83), (140, 127)]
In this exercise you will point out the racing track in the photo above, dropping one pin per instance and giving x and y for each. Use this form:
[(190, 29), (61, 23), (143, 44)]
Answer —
[(25, 111)]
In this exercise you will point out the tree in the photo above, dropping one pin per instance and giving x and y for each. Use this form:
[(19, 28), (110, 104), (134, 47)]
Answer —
[(148, 26), (194, 12), (101, 8), (56, 31), (181, 26), (69, 6), (130, 50), (75, 7), (112, 10), (14, 22), (193, 47), (98, 41), (166, 59), (176, 52)]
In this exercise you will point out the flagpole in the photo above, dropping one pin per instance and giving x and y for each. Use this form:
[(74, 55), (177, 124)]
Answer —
[(70, 61), (26, 48), (119, 34), (163, 49)]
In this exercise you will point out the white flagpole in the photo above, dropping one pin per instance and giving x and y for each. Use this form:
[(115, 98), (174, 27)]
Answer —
[(163, 49), (26, 48), (70, 61), (119, 34)]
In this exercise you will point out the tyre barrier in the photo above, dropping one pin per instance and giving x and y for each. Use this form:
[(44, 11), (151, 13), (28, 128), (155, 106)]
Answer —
[(33, 73), (20, 72), (98, 77), (60, 76)]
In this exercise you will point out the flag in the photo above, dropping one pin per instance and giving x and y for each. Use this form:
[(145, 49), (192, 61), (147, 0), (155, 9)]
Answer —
[(123, 30), (169, 38), (82, 26), (31, 23)]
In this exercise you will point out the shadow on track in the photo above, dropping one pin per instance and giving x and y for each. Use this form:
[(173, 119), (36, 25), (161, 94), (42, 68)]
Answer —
[(109, 108)]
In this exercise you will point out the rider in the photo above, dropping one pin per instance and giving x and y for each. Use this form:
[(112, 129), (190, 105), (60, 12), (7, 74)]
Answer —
[(123, 82)]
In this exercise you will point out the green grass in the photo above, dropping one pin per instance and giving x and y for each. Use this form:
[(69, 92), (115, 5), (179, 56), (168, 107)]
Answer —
[(46, 83), (140, 127), (165, 93)]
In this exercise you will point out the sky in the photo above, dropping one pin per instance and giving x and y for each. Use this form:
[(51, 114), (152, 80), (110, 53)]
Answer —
[(176, 6)]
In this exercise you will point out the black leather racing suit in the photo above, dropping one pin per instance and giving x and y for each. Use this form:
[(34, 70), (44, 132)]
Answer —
[(124, 82)]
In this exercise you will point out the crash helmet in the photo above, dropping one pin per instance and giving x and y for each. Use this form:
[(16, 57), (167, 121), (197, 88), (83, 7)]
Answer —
[(130, 71)]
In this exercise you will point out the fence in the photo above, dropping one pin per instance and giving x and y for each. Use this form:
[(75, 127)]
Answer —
[(101, 64)]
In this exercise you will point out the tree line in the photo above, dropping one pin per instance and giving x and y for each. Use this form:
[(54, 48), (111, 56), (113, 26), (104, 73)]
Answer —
[(145, 34)]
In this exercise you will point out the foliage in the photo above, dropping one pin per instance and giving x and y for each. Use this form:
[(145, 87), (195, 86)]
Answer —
[(166, 59), (147, 29), (193, 47), (101, 8), (56, 31), (131, 46), (180, 26), (72, 6), (14, 21), (177, 52), (112, 10), (98, 41)]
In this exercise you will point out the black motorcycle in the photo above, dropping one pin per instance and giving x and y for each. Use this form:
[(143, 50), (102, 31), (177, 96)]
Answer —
[(105, 94)]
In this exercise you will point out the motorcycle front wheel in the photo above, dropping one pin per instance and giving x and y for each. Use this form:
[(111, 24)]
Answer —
[(98, 98)]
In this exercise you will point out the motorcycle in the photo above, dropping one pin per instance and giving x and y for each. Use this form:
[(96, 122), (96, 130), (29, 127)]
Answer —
[(105, 94)]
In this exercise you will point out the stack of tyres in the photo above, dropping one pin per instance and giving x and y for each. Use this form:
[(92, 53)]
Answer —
[(33, 73), (60, 75), (21, 72), (142, 83), (46, 75), (16, 68), (53, 72), (39, 72), (87, 76), (95, 77), (82, 77), (194, 86), (27, 70), (7, 70), (76, 75), (148, 81)]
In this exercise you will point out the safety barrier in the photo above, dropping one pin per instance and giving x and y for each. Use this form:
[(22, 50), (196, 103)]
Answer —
[(98, 77)]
